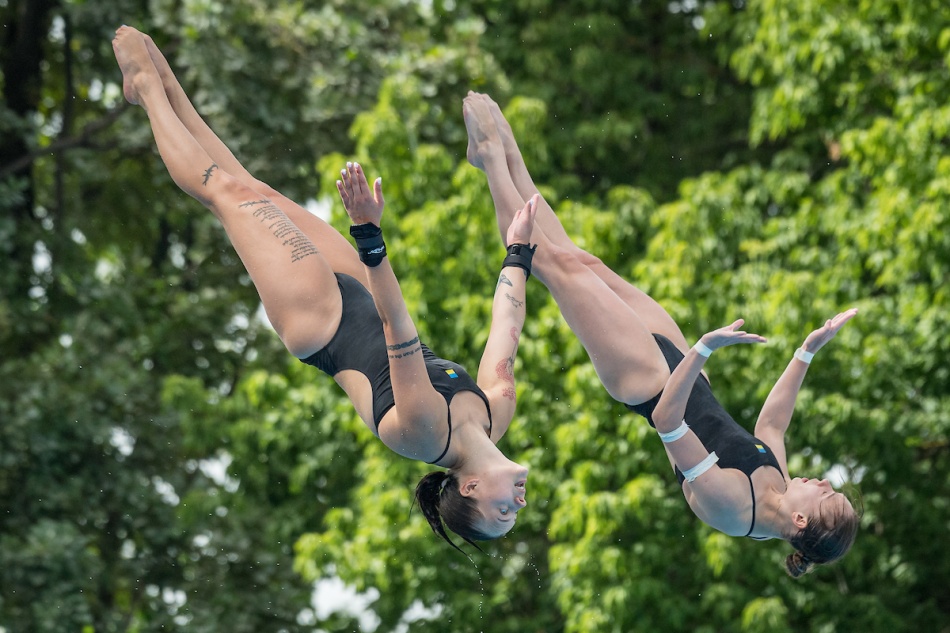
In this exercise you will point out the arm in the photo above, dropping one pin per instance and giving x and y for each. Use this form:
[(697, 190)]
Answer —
[(777, 411), (419, 407), (496, 369), (688, 450)]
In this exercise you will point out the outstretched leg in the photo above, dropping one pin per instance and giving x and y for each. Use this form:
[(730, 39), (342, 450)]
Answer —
[(616, 336), (656, 318), (334, 247), (296, 284)]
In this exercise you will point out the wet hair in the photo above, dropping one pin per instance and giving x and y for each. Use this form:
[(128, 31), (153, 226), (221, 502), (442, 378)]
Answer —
[(444, 506), (821, 542)]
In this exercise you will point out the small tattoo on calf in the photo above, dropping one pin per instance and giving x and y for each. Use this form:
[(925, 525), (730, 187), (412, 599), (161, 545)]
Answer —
[(515, 302), (504, 280), (208, 173), (509, 393), (403, 345)]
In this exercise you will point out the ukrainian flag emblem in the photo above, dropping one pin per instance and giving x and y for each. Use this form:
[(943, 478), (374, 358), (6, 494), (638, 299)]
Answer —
[(452, 374), (760, 447)]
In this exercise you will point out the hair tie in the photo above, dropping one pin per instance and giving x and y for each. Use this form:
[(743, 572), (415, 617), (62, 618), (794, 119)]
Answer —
[(442, 485)]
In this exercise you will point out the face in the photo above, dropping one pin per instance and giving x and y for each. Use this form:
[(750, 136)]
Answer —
[(500, 494), (810, 499)]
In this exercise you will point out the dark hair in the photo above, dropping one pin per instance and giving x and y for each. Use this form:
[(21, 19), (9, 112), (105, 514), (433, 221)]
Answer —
[(822, 542), (441, 502)]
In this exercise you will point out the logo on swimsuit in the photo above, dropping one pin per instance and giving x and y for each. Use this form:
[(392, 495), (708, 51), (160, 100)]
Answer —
[(451, 373), (760, 447)]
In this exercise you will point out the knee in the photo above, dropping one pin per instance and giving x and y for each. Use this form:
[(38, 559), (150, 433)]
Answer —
[(224, 191)]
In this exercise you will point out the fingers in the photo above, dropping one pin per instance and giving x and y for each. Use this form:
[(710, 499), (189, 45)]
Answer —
[(378, 191), (843, 317)]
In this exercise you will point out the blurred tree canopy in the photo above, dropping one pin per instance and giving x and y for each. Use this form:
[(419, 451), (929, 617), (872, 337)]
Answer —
[(166, 465)]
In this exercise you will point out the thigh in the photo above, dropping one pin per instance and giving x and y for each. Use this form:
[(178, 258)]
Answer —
[(620, 344), (295, 281), (335, 248)]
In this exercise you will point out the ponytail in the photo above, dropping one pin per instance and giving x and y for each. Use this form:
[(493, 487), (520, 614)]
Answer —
[(798, 564), (444, 506)]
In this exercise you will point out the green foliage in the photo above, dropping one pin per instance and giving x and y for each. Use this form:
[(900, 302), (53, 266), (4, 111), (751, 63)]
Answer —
[(165, 465)]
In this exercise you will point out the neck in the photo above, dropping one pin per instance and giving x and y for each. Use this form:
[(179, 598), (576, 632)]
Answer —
[(473, 449), (771, 519)]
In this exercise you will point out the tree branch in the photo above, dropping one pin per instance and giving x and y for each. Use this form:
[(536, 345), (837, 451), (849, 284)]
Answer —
[(65, 143)]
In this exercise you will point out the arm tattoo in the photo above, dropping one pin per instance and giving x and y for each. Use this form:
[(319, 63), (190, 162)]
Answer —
[(505, 369), (405, 354), (503, 280), (402, 345), (208, 173), (515, 302), (407, 349)]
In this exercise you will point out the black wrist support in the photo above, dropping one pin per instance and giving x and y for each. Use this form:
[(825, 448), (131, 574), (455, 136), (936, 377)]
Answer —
[(519, 255), (369, 243)]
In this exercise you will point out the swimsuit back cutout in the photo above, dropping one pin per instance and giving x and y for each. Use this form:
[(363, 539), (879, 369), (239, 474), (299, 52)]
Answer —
[(360, 344), (736, 447)]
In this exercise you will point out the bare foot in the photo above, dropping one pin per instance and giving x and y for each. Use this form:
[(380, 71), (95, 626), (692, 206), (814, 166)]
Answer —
[(169, 80), (502, 125), (483, 140), (138, 71)]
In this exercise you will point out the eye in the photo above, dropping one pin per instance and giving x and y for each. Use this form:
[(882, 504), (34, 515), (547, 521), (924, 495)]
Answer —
[(504, 511)]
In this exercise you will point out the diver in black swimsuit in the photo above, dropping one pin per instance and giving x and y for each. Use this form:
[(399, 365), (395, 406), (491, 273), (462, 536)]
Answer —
[(341, 308), (644, 361)]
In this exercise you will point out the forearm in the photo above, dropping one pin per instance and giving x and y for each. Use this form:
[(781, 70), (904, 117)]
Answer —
[(778, 408), (508, 317), (508, 305), (671, 408), (390, 304)]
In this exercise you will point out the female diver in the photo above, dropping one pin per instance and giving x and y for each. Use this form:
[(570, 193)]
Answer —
[(348, 318), (736, 482)]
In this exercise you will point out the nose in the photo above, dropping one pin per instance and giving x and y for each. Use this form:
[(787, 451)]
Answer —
[(520, 500)]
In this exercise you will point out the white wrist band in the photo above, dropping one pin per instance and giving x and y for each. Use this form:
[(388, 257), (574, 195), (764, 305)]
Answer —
[(675, 434), (702, 349), (804, 356), (701, 467)]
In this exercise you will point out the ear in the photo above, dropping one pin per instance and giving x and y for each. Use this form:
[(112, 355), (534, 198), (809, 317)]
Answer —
[(468, 487), (800, 520)]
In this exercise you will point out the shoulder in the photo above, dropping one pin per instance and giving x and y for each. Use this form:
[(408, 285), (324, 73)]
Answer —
[(419, 438), (722, 499)]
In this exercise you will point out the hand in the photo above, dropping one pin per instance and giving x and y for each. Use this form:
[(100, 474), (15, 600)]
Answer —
[(817, 339), (519, 231), (730, 335), (362, 205)]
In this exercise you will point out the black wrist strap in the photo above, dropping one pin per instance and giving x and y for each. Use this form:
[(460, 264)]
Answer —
[(519, 255), (369, 243)]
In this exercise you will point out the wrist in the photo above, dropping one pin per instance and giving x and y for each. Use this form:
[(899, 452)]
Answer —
[(369, 243), (702, 349), (803, 355), (520, 256)]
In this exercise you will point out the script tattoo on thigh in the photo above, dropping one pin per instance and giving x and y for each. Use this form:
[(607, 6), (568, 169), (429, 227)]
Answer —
[(283, 229)]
